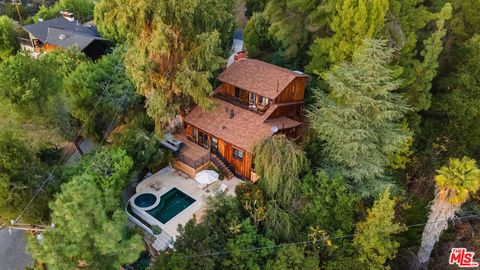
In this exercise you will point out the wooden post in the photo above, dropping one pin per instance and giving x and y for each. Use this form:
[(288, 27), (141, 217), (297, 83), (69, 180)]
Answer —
[(17, 3)]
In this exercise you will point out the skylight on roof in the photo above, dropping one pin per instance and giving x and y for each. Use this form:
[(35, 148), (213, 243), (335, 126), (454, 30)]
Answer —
[(62, 37)]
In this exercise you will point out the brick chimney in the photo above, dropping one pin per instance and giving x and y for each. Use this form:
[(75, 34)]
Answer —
[(67, 15), (239, 56)]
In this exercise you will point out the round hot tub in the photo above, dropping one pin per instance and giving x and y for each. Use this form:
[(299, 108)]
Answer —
[(145, 200)]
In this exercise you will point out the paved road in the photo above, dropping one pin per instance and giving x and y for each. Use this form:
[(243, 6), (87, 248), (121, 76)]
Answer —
[(12, 251)]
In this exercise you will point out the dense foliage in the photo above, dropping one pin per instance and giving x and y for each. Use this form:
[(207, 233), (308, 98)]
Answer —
[(360, 119), (90, 225), (279, 182), (21, 173), (97, 92), (82, 10), (8, 38), (174, 49)]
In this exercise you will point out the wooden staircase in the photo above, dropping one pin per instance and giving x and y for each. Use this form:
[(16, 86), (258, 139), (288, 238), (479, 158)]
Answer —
[(221, 166)]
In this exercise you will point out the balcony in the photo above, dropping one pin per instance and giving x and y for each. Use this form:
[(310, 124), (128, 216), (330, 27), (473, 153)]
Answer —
[(245, 105)]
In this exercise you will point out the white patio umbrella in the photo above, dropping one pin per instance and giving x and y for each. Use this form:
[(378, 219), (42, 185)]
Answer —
[(206, 177)]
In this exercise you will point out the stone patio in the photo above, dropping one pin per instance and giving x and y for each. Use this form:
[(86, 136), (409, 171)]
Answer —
[(168, 178)]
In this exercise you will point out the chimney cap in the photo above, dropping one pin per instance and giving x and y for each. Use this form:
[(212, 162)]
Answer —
[(67, 15), (240, 55)]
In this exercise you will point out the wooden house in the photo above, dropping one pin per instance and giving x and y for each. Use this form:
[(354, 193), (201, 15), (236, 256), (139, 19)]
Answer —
[(65, 32), (255, 100)]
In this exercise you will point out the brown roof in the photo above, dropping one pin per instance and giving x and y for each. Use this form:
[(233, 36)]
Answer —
[(259, 77), (243, 130), (282, 122)]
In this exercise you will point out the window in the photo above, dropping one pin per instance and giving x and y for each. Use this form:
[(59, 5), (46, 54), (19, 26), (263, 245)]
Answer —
[(237, 154), (194, 133), (237, 92), (260, 100), (266, 101), (252, 97), (214, 143)]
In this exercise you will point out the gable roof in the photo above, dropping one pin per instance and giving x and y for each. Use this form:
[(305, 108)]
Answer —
[(49, 31), (243, 130), (259, 77), (63, 38)]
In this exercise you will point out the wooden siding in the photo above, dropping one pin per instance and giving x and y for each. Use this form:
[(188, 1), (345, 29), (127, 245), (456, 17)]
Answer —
[(295, 91), (292, 111), (228, 89), (49, 47), (242, 167)]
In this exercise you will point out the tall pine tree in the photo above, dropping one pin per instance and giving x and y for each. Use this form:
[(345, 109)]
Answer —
[(360, 119), (354, 21)]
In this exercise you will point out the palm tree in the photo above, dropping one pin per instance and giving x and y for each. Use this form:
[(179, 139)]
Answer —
[(455, 182)]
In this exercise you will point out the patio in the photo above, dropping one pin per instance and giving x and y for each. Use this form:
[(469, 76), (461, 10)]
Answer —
[(168, 178)]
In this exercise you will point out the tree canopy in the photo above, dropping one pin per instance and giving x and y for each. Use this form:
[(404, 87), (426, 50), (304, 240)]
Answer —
[(360, 119), (90, 229), (21, 174), (174, 48), (97, 93), (279, 182), (90, 223), (373, 241), (81, 9), (353, 22), (8, 38)]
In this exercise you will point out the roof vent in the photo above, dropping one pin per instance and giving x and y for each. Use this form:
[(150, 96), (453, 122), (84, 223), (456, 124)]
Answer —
[(62, 37), (232, 114)]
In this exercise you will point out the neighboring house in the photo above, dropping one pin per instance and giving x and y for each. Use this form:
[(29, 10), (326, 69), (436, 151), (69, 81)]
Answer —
[(65, 32), (254, 101)]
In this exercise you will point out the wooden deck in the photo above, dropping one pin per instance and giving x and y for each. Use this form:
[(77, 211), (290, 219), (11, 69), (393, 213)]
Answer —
[(190, 149), (191, 158)]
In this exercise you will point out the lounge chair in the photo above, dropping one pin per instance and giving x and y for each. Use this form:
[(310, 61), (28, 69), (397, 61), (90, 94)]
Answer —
[(155, 186), (221, 189)]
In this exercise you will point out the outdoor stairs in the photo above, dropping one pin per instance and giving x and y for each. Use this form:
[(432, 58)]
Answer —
[(163, 241), (221, 166)]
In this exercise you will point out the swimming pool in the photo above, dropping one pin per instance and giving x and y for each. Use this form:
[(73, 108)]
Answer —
[(171, 204)]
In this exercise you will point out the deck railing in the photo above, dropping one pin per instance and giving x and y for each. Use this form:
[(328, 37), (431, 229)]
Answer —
[(237, 102), (195, 164)]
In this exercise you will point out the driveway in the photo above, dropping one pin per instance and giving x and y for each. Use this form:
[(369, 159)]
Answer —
[(12, 251), (237, 45)]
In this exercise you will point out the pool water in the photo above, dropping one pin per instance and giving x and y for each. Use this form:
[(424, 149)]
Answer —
[(171, 203), (145, 200)]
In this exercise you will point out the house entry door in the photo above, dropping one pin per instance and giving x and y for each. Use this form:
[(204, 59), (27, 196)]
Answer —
[(203, 139)]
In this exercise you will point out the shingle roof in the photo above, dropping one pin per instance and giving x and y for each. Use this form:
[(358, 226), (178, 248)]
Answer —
[(259, 77), (65, 39), (243, 130), (49, 31)]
